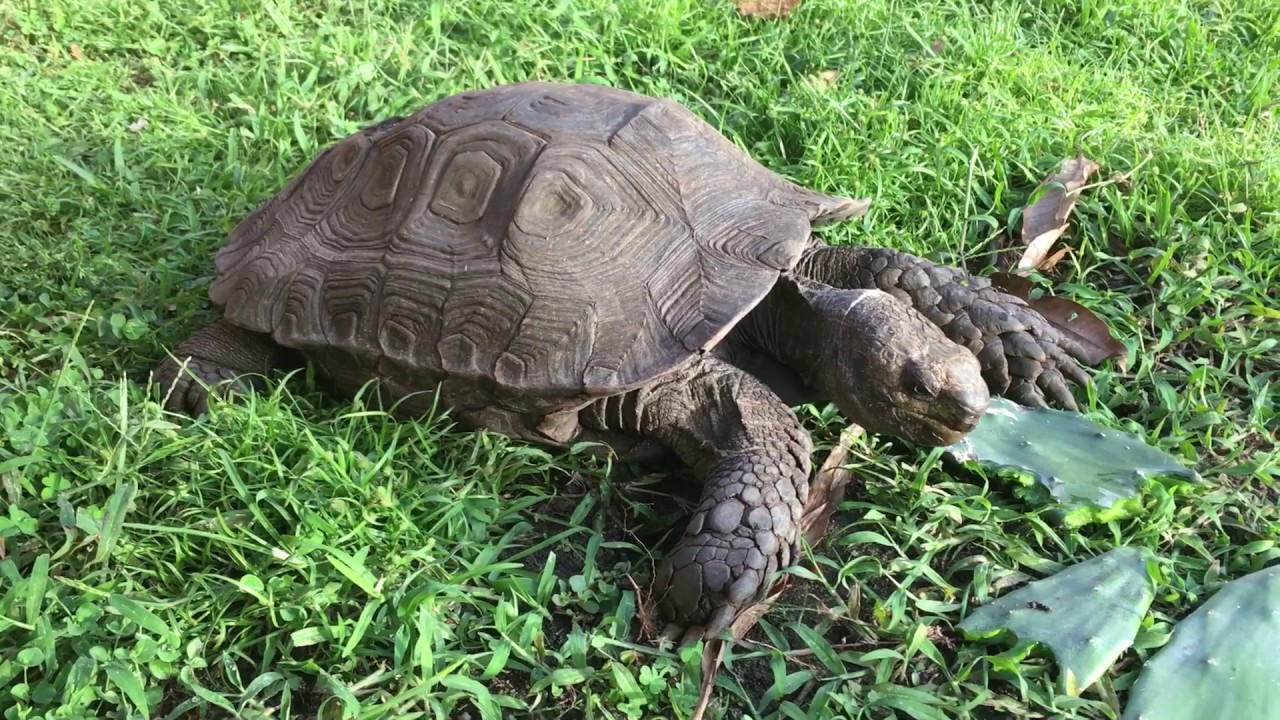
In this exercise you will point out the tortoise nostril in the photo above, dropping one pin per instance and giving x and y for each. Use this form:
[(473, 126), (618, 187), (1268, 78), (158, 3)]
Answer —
[(967, 388)]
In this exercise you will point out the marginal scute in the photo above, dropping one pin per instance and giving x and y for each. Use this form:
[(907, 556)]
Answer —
[(555, 340), (531, 246), (462, 356), (298, 314), (413, 296), (350, 295), (487, 311)]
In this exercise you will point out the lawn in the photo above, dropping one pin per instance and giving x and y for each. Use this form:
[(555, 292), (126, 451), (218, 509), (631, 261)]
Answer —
[(300, 555)]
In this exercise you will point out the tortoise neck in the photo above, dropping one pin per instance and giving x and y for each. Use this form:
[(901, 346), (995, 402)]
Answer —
[(786, 327), (827, 264)]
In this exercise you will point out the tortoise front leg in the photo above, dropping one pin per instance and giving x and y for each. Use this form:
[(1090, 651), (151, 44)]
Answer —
[(1023, 357), (221, 356), (753, 456)]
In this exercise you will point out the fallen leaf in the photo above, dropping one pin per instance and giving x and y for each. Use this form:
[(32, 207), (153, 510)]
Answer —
[(1081, 325), (1044, 221), (712, 656), (825, 495), (1052, 261), (1070, 317), (768, 9), (824, 79), (828, 486), (1016, 285), (76, 52)]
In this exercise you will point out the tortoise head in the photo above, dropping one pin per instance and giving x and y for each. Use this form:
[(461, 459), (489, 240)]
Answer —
[(891, 370)]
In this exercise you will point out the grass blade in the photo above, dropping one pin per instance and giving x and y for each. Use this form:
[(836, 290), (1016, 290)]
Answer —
[(113, 523), (129, 683)]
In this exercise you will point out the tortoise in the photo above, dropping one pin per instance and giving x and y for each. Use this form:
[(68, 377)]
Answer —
[(567, 263)]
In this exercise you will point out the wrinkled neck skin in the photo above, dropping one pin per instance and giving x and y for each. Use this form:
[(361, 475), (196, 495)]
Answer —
[(833, 265), (785, 326)]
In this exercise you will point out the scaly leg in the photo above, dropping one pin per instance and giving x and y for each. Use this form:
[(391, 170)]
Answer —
[(222, 356), (753, 457)]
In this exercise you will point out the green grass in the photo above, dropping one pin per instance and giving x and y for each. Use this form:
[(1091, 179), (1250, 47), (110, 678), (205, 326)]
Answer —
[(299, 556)]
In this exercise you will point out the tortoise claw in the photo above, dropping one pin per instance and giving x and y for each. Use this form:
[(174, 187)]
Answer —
[(219, 359), (683, 634), (686, 635)]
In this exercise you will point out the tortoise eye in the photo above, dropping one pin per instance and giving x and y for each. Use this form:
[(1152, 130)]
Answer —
[(916, 381)]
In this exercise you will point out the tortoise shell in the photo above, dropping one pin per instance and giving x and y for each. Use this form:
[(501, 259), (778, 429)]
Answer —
[(533, 245)]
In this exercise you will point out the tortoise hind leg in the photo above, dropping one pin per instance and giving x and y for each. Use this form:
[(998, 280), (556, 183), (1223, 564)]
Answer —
[(221, 358), (753, 457)]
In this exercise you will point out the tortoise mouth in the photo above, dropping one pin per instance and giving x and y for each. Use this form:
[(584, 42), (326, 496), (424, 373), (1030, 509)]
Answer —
[(940, 432)]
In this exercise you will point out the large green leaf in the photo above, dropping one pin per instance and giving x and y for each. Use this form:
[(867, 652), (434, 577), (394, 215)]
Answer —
[(1223, 660), (1085, 615), (1080, 463)]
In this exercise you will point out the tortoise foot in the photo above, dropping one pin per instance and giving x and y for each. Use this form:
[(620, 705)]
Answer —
[(185, 387), (218, 359), (742, 533)]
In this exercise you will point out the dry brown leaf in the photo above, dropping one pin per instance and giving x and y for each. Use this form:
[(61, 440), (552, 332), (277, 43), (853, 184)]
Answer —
[(1052, 261), (712, 656), (1016, 285), (1044, 221), (825, 495), (1077, 322), (713, 651), (824, 79), (76, 52), (768, 9), (828, 487)]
